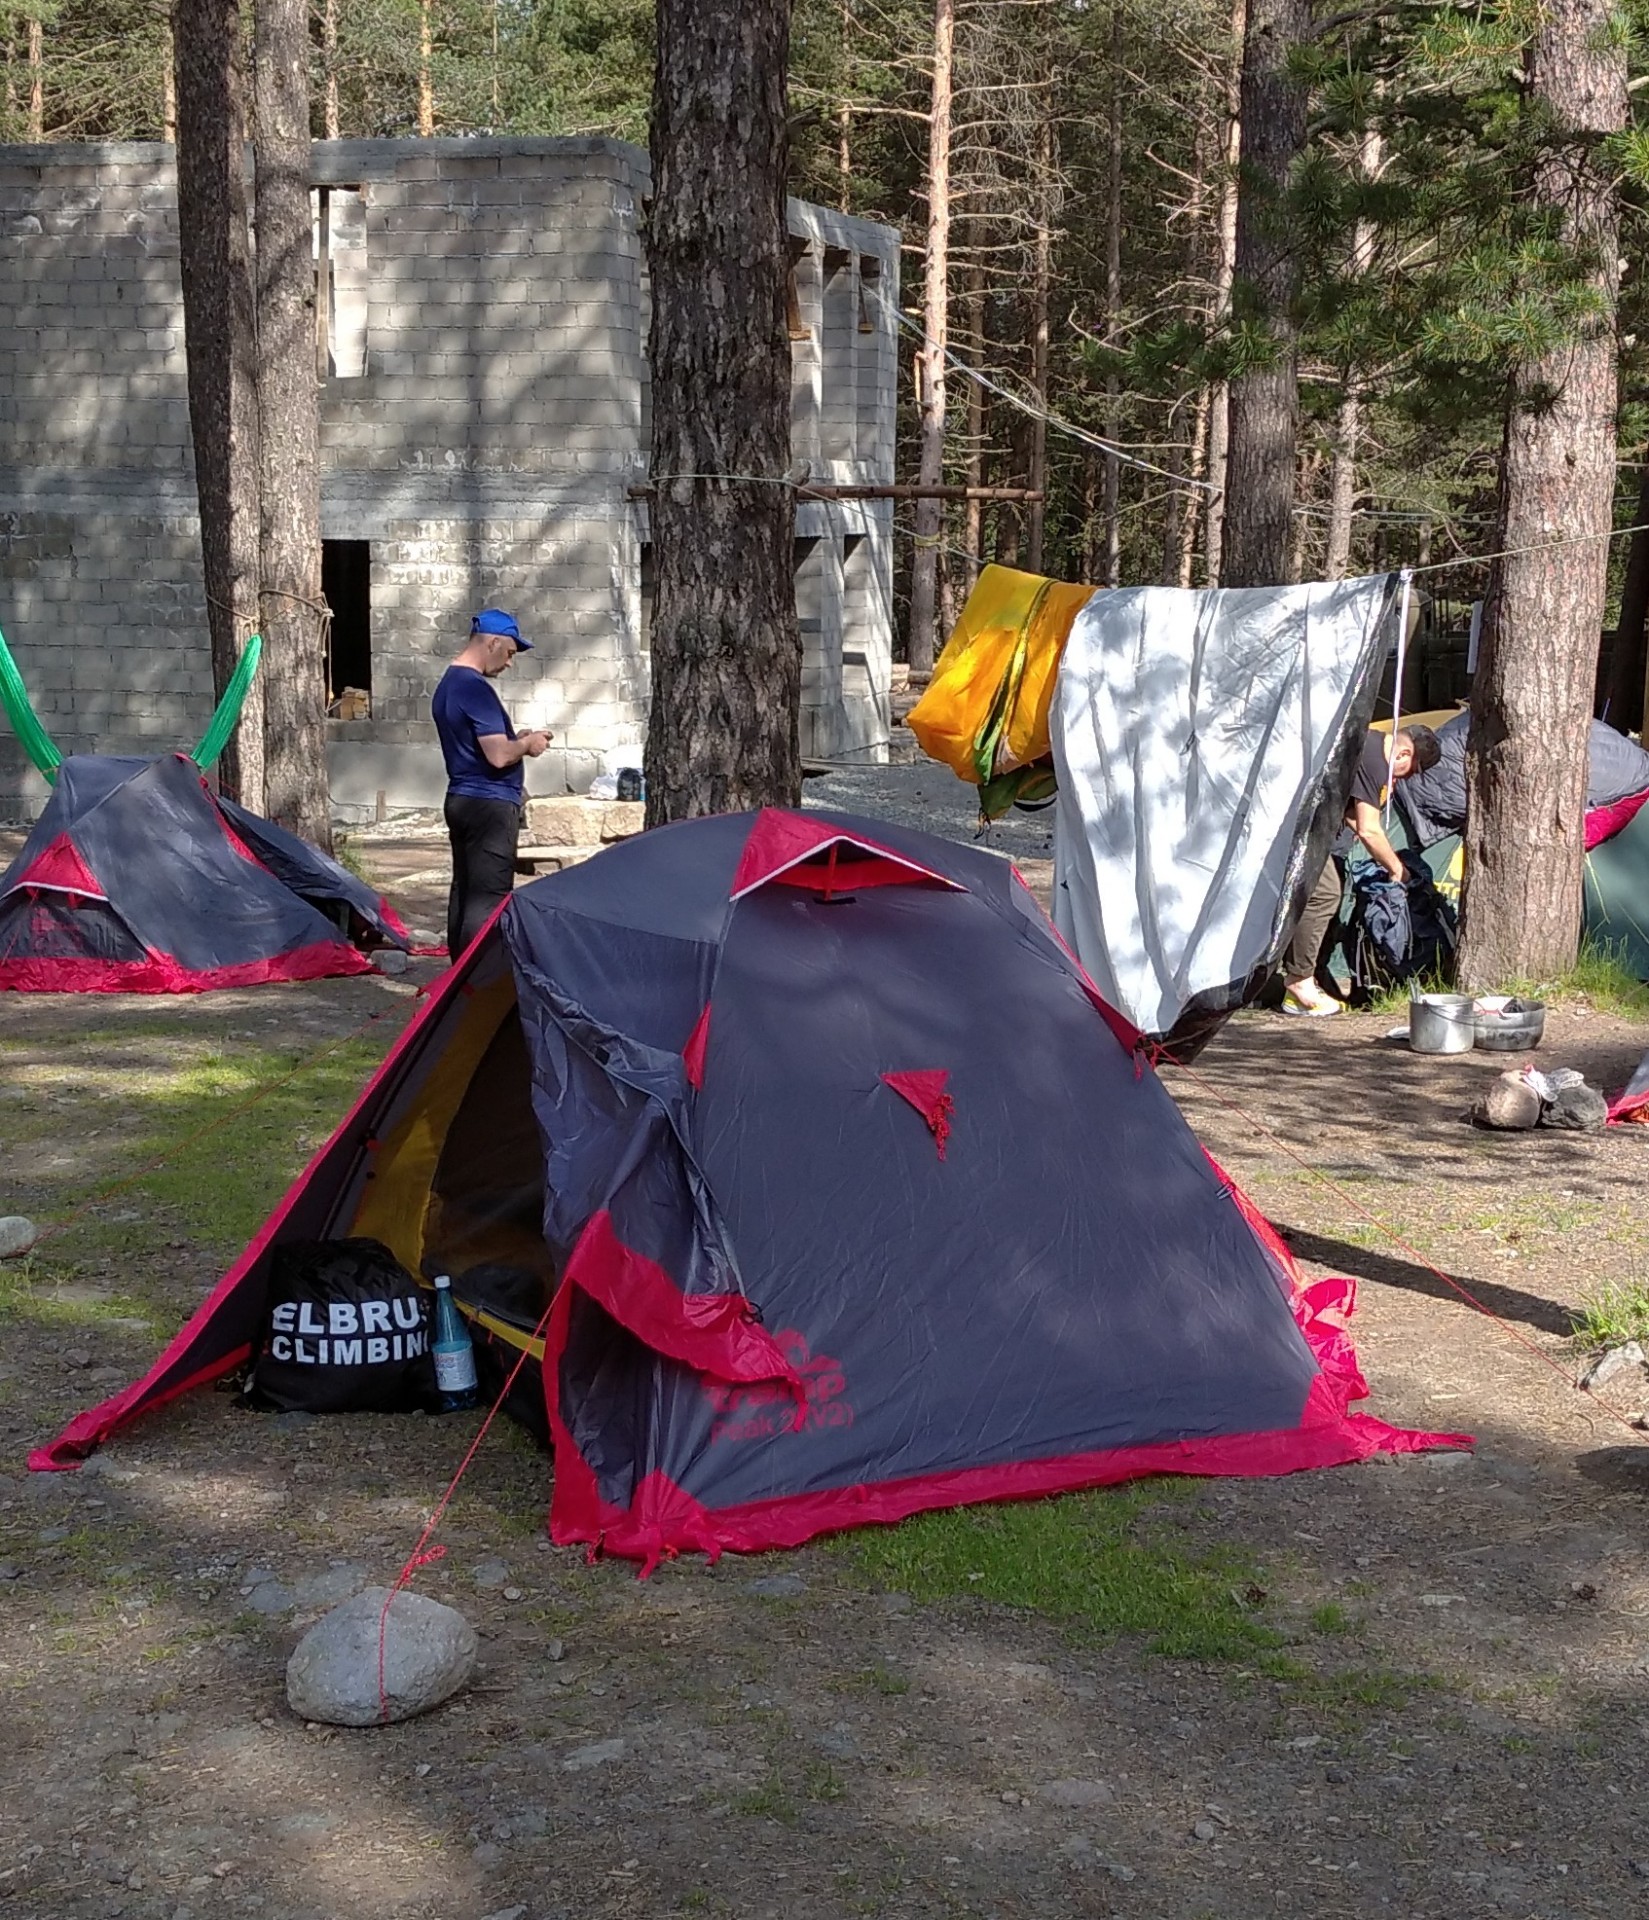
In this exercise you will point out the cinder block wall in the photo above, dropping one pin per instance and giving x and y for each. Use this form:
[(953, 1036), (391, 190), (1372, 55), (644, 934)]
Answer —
[(483, 422)]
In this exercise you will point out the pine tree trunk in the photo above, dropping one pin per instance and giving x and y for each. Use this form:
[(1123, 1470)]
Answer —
[(1198, 502), (1041, 280), (168, 90), (1265, 401), (1532, 701), (1342, 486), (293, 616), (974, 510), (1342, 492), (37, 80), (1112, 497), (330, 119), (1219, 398), (726, 648), (930, 359), (219, 335), (1623, 695), (426, 76), (844, 116)]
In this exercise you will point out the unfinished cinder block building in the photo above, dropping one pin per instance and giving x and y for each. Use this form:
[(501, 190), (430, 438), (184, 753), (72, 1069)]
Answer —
[(484, 426)]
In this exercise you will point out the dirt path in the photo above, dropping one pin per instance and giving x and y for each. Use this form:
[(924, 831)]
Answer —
[(1458, 1726)]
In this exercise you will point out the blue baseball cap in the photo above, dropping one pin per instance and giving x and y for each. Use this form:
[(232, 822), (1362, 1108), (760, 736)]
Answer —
[(493, 620)]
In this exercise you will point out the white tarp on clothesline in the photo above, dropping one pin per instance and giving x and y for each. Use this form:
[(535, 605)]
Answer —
[(1203, 743)]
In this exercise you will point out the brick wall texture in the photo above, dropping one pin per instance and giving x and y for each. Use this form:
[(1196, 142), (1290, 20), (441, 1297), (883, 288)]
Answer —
[(483, 422)]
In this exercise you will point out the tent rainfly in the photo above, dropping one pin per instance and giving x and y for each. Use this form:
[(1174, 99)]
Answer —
[(836, 1192)]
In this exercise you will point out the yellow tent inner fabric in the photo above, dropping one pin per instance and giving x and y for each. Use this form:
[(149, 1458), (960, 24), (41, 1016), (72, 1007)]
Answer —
[(985, 711)]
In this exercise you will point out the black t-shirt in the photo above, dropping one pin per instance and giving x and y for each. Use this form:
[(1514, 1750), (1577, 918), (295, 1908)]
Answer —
[(1368, 783)]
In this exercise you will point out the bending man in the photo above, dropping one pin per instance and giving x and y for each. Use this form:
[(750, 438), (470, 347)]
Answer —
[(483, 753), (1385, 757)]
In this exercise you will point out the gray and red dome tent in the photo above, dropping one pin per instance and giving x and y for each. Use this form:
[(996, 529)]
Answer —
[(841, 1192), (138, 879)]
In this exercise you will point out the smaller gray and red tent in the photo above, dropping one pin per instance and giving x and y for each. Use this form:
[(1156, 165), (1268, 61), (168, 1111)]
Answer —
[(839, 1194), (138, 879)]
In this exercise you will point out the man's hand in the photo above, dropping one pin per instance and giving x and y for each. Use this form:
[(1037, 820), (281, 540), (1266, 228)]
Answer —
[(1365, 823), (535, 743)]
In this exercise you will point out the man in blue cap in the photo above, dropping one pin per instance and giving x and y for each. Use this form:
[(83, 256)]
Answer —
[(483, 753)]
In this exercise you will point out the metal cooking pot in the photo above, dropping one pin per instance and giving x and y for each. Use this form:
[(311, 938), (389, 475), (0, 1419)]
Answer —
[(1441, 1023)]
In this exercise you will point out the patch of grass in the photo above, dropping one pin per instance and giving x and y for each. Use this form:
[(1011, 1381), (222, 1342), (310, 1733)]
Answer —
[(822, 1782), (1601, 976), (1345, 1694), (769, 1801), (1612, 1312), (1332, 1618), (1085, 1560)]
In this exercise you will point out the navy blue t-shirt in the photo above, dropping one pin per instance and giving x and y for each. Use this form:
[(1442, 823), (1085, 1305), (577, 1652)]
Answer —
[(467, 710)]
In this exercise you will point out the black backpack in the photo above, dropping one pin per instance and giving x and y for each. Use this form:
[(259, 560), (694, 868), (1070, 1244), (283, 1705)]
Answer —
[(347, 1331), (1397, 934)]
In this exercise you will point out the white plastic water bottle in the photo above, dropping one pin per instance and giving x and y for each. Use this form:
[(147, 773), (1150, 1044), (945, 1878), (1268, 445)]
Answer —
[(453, 1352)]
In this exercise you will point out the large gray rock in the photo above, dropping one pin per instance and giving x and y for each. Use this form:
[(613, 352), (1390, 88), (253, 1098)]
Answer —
[(429, 1652), (17, 1235)]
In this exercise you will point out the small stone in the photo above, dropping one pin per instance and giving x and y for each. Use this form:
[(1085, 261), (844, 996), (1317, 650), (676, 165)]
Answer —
[(77, 1357), (512, 1593), (599, 1753), (895, 1603), (1203, 1830), (506, 1913), (555, 1650), (488, 1855), (10, 1571), (490, 1573), (1076, 1793), (777, 1586), (428, 1653), (1118, 1871), (422, 1769), (392, 960), (1510, 1104), (1610, 1363), (1442, 1599), (1336, 1776), (269, 1597), (339, 1582), (50, 1536), (17, 1235)]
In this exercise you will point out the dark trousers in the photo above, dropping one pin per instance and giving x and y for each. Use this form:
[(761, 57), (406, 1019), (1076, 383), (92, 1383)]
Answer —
[(484, 834), (1321, 906)]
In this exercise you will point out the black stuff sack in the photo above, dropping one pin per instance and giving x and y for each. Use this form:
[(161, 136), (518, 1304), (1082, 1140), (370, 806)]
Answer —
[(347, 1331)]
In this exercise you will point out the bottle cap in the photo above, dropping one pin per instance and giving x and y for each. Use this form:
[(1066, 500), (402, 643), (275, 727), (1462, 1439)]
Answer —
[(443, 1280)]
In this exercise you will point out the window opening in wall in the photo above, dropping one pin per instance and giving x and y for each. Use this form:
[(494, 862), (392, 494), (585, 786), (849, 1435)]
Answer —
[(346, 586), (870, 277), (792, 293), (339, 215)]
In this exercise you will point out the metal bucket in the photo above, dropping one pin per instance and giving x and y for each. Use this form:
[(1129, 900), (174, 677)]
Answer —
[(1441, 1023)]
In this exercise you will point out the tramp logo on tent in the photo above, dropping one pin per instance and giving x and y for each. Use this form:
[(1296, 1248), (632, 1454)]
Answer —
[(755, 1412), (348, 1333)]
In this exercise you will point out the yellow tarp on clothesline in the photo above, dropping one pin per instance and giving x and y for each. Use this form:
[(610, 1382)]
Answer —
[(985, 711)]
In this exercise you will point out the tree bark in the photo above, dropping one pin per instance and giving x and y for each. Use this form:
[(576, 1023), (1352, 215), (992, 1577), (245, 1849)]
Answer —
[(168, 91), (1623, 693), (1532, 701), (1112, 491), (1342, 490), (293, 616), (1265, 401), (37, 80), (1197, 503), (1219, 396), (426, 76), (331, 121), (219, 333), (974, 511), (930, 359), (1041, 279), (726, 647), (844, 115)]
